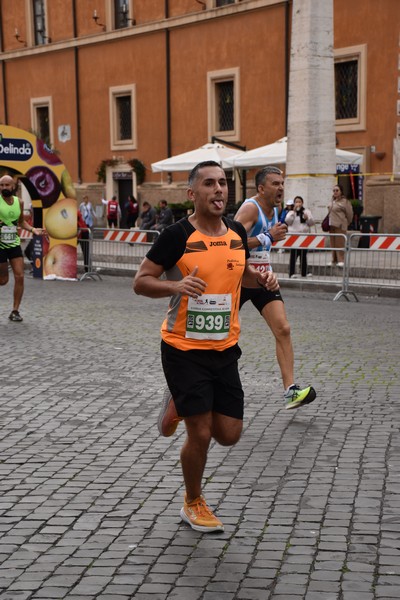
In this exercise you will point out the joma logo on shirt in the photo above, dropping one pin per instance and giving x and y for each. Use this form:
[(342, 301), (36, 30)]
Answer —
[(218, 244)]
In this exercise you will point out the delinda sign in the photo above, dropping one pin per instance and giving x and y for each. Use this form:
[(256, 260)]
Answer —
[(15, 149), (53, 196)]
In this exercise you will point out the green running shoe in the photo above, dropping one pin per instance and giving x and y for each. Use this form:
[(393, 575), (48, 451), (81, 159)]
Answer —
[(296, 397)]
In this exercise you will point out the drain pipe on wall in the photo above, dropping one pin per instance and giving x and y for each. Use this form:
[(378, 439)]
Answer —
[(287, 60), (77, 96), (3, 68), (168, 85)]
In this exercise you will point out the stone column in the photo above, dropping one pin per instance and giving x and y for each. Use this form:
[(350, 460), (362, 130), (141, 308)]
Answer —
[(311, 161)]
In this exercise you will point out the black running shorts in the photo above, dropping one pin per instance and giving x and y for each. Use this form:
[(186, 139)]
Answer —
[(204, 380), (10, 253), (259, 297)]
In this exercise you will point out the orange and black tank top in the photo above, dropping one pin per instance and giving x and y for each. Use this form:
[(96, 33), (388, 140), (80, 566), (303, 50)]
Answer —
[(211, 321)]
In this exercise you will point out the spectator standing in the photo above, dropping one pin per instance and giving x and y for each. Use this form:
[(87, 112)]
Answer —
[(299, 220), (29, 247), (132, 211), (83, 239), (113, 211), (165, 216), (288, 206), (340, 216), (87, 212)]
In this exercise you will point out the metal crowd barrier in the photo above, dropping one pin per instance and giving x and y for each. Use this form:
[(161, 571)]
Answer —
[(369, 260), (113, 250), (319, 255), (373, 260)]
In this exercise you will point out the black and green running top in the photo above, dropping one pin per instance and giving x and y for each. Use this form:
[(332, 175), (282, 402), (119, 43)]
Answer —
[(9, 216)]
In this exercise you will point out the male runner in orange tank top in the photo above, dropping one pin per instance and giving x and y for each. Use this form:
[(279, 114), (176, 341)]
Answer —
[(205, 259)]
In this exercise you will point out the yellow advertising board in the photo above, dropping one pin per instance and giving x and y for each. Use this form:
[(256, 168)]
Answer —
[(41, 171)]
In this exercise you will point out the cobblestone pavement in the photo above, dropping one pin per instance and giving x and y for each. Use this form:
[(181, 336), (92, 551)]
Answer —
[(90, 494)]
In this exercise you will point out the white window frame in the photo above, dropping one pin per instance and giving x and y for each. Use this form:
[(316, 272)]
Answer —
[(214, 77), (115, 92), (36, 103), (358, 53)]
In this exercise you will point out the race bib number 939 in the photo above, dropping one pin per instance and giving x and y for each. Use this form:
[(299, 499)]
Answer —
[(209, 317)]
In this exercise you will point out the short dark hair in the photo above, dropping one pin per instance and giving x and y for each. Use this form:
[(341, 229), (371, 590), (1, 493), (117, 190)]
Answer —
[(194, 172), (262, 174)]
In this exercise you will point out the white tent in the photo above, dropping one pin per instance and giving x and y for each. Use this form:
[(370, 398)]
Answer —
[(275, 154), (188, 160)]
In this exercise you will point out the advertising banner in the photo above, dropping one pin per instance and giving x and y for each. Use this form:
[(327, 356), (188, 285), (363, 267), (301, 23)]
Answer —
[(41, 171)]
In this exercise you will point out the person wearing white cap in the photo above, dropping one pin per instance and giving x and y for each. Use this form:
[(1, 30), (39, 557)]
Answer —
[(282, 215), (299, 220)]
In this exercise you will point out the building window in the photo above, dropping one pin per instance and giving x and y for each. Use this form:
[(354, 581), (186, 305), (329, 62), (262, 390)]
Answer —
[(122, 107), (224, 2), (41, 119), (346, 89), (39, 22), (350, 88), (223, 104), (121, 14)]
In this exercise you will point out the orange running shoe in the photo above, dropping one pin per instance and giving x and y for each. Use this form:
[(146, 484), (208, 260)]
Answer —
[(168, 418), (200, 516)]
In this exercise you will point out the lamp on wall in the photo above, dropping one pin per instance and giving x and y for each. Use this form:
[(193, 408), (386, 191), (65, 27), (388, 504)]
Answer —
[(43, 36), (95, 18), (18, 37), (379, 155), (125, 15)]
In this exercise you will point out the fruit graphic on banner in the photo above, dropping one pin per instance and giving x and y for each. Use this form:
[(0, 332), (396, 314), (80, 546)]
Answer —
[(49, 184), (46, 183), (61, 219), (60, 261)]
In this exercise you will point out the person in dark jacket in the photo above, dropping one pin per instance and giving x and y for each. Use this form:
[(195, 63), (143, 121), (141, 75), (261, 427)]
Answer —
[(147, 216)]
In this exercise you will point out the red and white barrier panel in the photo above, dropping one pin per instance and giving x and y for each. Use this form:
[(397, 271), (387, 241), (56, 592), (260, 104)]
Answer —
[(125, 236), (301, 241), (24, 234), (384, 242)]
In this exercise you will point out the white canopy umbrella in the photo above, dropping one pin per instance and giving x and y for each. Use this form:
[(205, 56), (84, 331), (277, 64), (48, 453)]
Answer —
[(186, 161), (275, 154)]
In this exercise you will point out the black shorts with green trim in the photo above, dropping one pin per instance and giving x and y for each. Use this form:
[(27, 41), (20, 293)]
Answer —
[(204, 380)]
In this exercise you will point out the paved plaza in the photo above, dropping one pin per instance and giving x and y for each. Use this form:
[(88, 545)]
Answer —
[(90, 493)]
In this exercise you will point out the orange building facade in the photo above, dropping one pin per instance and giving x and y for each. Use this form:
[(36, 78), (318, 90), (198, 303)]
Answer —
[(111, 82)]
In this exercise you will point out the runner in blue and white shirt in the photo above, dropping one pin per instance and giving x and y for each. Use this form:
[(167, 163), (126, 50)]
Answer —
[(259, 215)]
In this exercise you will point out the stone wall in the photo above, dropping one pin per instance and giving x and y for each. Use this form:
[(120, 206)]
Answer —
[(153, 193), (382, 198)]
